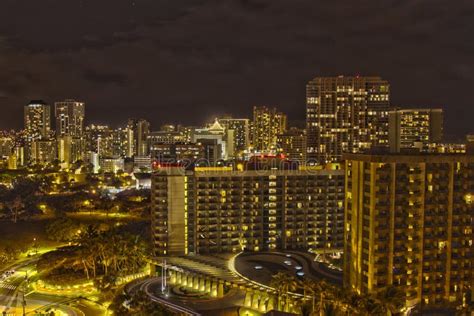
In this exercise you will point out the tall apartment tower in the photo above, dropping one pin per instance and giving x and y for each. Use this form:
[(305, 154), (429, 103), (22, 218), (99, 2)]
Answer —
[(345, 114), (69, 118), (409, 223), (411, 128), (137, 137), (267, 124), (37, 120)]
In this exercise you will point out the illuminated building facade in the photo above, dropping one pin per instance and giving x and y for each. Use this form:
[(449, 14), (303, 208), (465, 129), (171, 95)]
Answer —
[(345, 114), (214, 210), (6, 146), (37, 120), (106, 141), (43, 151), (409, 223), (241, 132), (292, 143), (177, 152), (69, 118), (267, 124), (415, 128), (137, 138)]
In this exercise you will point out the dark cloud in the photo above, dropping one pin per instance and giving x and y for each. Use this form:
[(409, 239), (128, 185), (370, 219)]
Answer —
[(188, 60)]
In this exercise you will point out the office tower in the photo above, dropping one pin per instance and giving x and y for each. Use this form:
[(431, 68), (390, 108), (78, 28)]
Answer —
[(409, 223), (137, 134), (213, 210), (241, 130), (345, 114), (292, 143), (414, 128), (69, 118), (37, 118), (267, 124)]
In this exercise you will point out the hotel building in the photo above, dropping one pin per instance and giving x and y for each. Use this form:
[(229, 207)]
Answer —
[(214, 210), (409, 223)]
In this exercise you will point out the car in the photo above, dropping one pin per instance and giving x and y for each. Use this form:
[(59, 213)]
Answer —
[(258, 267), (298, 267), (287, 262), (300, 273), (288, 256)]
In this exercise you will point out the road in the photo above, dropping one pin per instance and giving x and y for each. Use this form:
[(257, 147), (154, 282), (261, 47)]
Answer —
[(14, 287), (149, 286)]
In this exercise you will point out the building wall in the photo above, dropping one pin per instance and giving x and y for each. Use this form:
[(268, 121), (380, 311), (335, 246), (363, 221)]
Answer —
[(230, 211), (345, 114), (409, 128), (409, 223)]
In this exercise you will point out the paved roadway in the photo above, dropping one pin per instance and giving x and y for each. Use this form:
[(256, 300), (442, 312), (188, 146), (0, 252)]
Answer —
[(188, 306), (13, 288)]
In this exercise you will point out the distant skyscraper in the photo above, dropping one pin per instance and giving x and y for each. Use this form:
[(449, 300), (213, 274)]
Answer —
[(292, 143), (241, 130), (69, 118), (37, 118), (345, 114), (137, 134), (267, 124), (409, 128)]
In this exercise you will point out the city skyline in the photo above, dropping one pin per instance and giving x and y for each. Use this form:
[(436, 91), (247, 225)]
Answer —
[(236, 157), (100, 61)]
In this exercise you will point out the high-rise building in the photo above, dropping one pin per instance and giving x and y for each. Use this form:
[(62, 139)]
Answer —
[(409, 223), (345, 114), (267, 124), (137, 138), (241, 130), (37, 120), (43, 151), (69, 118), (415, 128), (106, 141), (213, 210), (292, 143), (6, 146)]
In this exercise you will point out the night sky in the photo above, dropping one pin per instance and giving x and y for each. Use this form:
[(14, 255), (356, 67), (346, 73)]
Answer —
[(189, 60)]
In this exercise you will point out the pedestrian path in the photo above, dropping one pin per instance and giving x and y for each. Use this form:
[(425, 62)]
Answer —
[(7, 286)]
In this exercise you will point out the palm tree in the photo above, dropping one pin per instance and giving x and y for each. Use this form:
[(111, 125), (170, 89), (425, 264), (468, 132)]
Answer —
[(283, 283), (350, 302), (310, 289), (329, 309), (392, 298), (372, 306)]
